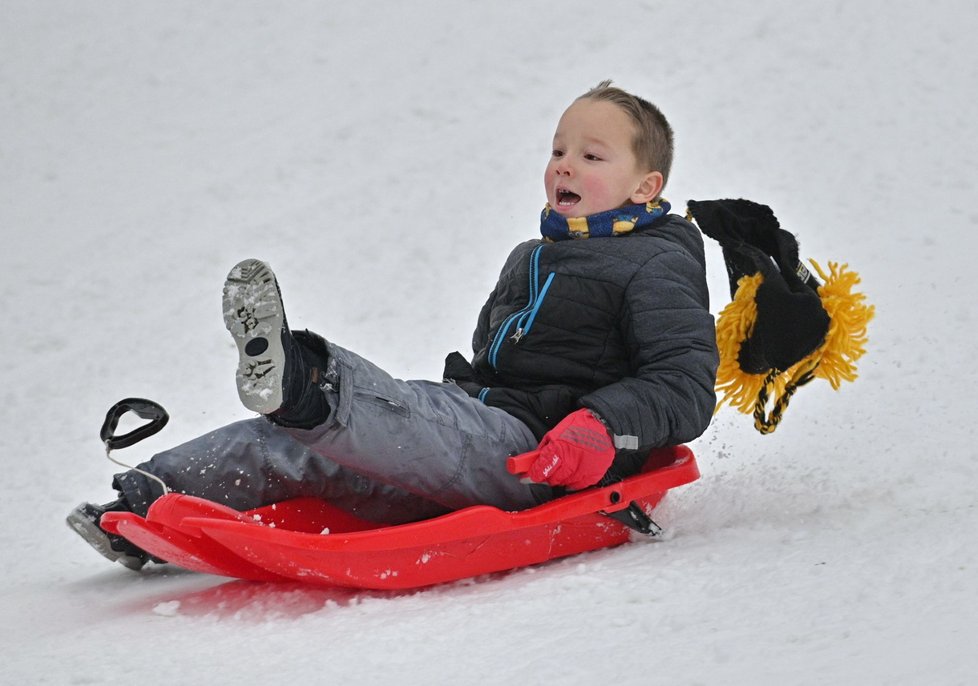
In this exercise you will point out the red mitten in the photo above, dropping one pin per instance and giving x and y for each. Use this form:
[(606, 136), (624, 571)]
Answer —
[(576, 453)]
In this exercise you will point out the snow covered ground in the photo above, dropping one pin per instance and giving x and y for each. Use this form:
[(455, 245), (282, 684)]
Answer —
[(384, 157)]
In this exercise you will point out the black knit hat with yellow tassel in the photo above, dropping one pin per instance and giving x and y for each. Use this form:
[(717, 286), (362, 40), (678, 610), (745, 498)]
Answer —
[(783, 327)]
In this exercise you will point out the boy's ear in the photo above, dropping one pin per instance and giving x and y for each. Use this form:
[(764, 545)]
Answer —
[(648, 189)]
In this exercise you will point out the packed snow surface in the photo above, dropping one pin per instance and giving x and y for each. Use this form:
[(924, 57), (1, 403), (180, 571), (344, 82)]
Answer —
[(384, 157)]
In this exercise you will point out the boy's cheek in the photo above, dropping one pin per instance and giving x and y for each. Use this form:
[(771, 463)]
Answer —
[(594, 192)]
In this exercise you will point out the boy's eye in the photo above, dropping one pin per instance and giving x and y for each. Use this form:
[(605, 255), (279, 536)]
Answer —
[(557, 153), (592, 157)]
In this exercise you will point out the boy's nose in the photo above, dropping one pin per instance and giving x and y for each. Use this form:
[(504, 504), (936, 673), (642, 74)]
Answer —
[(563, 168)]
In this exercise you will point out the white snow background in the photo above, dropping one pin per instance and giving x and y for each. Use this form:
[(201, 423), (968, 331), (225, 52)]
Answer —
[(384, 157)]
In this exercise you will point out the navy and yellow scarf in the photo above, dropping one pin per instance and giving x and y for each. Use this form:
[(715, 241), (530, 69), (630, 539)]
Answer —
[(614, 222)]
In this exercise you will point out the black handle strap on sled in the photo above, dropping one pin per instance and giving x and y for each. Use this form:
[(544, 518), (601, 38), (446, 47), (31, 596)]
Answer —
[(142, 408)]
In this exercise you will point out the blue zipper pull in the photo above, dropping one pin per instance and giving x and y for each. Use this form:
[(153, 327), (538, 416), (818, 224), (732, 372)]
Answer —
[(520, 316)]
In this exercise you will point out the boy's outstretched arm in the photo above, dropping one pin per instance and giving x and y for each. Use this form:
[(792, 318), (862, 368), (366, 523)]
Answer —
[(670, 335)]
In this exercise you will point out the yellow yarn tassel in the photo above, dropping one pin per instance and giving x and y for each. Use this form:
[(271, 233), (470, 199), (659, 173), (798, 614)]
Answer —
[(833, 361), (734, 326), (849, 315)]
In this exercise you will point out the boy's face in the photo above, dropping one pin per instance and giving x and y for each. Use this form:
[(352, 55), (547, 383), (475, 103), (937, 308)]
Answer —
[(593, 167)]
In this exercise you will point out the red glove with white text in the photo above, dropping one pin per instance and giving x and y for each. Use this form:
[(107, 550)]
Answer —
[(576, 453)]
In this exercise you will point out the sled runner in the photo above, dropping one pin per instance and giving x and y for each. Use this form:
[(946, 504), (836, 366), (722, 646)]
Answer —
[(311, 541)]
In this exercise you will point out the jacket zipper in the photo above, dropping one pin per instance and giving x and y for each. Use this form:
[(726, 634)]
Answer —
[(525, 322), (525, 316)]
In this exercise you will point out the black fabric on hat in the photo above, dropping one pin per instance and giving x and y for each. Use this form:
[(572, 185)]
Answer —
[(790, 322)]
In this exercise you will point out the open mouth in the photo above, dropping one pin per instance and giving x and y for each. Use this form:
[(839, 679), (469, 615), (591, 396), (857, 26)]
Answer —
[(566, 198)]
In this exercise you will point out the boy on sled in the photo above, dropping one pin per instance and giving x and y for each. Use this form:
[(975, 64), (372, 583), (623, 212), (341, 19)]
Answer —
[(595, 346)]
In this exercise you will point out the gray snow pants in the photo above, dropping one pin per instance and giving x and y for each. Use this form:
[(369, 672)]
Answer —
[(390, 451)]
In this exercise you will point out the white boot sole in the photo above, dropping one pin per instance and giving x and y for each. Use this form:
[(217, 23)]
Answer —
[(255, 318)]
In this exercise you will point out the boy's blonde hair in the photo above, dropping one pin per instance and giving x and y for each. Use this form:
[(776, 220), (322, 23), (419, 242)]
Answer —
[(653, 143)]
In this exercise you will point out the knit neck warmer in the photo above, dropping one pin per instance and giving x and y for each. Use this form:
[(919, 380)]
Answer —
[(614, 222)]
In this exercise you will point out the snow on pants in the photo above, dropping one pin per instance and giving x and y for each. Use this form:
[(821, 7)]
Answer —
[(390, 451)]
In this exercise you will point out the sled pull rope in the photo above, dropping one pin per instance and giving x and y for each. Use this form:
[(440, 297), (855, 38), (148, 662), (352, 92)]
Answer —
[(144, 409)]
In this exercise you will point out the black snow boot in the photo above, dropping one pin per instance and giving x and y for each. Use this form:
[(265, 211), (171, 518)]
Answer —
[(278, 373), (84, 520)]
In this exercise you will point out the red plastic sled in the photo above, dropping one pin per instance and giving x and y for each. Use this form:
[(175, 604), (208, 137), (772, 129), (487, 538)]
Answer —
[(311, 541)]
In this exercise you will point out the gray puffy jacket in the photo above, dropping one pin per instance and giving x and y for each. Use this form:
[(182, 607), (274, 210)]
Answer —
[(620, 325)]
